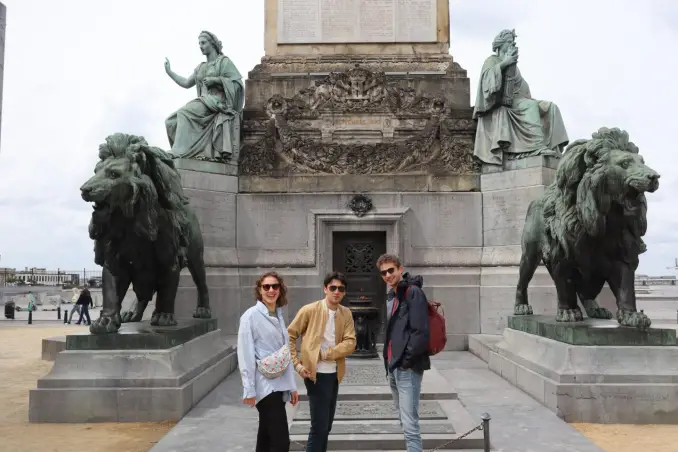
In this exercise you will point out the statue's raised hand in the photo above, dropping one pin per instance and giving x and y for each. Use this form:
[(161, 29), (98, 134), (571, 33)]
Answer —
[(510, 58), (167, 66)]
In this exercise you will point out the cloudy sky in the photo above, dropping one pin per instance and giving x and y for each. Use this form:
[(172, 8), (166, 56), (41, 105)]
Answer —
[(76, 71)]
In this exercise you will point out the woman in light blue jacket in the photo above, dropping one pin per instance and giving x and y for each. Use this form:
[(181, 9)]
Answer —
[(268, 377)]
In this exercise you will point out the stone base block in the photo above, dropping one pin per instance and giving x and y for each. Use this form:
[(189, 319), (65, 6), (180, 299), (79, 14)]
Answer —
[(597, 384), (52, 346), (591, 331), (131, 385)]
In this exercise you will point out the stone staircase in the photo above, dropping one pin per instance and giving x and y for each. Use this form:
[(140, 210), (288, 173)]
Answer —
[(365, 418)]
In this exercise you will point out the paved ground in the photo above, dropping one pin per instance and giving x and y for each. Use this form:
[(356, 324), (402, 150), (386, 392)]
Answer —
[(519, 423)]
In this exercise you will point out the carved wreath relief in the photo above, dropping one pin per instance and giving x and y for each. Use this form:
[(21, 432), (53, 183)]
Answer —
[(445, 144), (361, 205)]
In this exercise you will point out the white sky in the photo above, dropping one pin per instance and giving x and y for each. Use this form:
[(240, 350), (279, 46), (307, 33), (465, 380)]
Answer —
[(76, 71)]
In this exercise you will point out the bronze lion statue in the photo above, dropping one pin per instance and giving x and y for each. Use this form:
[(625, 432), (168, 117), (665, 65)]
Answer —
[(587, 228), (144, 232)]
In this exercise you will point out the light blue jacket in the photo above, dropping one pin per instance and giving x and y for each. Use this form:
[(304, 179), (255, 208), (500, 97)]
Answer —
[(259, 335)]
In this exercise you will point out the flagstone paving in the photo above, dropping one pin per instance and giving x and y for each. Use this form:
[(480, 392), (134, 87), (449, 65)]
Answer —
[(461, 385)]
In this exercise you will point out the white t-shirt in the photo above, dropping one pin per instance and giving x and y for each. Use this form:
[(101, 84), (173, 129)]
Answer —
[(329, 340)]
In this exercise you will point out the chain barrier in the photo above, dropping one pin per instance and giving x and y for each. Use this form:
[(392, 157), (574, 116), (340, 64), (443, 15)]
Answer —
[(478, 427)]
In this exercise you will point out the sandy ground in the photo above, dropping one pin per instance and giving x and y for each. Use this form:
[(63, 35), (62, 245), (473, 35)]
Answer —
[(631, 438), (20, 368)]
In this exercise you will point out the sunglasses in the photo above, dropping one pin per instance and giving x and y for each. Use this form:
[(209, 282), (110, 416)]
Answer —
[(268, 287), (388, 271), (341, 289)]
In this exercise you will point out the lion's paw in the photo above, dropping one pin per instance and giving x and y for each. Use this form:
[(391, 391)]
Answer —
[(599, 313), (594, 311), (163, 319), (105, 324), (569, 315), (202, 312), (130, 316), (633, 319), (522, 309)]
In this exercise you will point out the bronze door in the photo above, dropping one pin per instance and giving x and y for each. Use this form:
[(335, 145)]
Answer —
[(355, 254)]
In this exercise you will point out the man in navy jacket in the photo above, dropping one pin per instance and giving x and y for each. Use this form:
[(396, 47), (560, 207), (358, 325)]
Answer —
[(406, 344)]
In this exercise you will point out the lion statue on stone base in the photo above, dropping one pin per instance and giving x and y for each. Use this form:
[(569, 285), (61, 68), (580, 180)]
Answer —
[(587, 228), (144, 232)]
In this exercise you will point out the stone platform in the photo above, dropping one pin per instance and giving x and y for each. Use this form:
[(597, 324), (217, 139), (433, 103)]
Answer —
[(591, 331), (134, 384), (365, 418), (626, 384), (142, 336), (52, 346)]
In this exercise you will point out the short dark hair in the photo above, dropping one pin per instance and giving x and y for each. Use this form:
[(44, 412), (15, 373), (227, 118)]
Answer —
[(389, 258), (335, 275)]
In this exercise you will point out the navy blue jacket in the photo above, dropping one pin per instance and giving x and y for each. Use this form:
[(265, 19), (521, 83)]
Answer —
[(408, 327)]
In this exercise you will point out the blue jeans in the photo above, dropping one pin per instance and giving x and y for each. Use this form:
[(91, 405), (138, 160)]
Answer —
[(406, 389)]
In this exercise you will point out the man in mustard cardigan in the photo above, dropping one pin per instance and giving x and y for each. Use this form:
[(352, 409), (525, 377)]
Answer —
[(328, 337)]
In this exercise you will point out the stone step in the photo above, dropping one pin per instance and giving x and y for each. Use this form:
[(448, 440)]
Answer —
[(393, 442), (367, 381), (374, 425)]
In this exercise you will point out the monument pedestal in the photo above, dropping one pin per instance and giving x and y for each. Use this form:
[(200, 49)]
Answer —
[(618, 380), (140, 374), (366, 325)]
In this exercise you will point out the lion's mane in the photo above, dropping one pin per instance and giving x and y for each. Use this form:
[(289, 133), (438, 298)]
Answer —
[(577, 203), (153, 208)]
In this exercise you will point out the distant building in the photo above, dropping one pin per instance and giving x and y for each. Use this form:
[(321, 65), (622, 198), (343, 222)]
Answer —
[(645, 280), (6, 275), (41, 276)]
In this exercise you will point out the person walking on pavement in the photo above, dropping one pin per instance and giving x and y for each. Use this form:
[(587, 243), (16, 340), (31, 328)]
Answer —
[(84, 301), (76, 307)]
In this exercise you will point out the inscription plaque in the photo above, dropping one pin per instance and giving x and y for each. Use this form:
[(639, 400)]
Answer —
[(365, 376), (355, 21), (374, 429), (373, 411)]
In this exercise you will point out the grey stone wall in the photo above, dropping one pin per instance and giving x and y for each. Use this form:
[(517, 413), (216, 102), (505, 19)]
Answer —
[(466, 245)]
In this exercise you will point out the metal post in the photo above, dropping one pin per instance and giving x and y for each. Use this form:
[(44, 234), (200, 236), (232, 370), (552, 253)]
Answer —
[(59, 312), (65, 315), (486, 431), (30, 316)]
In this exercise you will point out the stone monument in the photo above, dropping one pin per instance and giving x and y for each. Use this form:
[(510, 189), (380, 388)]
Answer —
[(355, 102), (358, 139), (587, 228), (144, 234)]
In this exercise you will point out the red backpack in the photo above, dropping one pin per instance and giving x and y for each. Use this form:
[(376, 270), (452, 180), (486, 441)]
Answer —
[(436, 326)]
